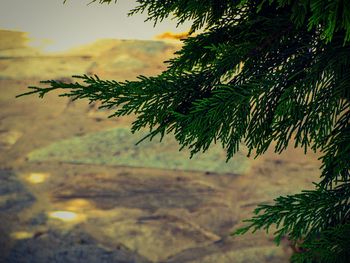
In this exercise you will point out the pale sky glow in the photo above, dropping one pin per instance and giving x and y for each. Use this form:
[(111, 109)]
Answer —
[(75, 23)]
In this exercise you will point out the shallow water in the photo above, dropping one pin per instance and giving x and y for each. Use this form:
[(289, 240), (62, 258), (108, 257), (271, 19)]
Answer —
[(66, 198)]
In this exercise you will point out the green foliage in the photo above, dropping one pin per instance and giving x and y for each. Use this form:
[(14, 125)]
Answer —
[(316, 207), (260, 71), (331, 246), (328, 16)]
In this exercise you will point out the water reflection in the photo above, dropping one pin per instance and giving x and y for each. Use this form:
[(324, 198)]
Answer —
[(78, 204), (21, 235), (67, 216), (37, 178)]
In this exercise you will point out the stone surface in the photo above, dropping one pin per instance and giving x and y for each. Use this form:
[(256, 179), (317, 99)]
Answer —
[(228, 251), (156, 237), (148, 193), (70, 247)]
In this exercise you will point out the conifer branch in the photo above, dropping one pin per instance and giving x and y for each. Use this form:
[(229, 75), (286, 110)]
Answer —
[(260, 71)]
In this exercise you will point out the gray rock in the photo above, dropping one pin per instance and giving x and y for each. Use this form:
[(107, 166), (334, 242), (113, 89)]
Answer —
[(39, 219), (71, 247), (13, 195)]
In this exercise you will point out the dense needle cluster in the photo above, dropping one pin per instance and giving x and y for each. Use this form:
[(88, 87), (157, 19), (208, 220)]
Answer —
[(255, 72)]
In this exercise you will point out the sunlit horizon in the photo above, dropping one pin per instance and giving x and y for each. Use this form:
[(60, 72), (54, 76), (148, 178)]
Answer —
[(54, 26)]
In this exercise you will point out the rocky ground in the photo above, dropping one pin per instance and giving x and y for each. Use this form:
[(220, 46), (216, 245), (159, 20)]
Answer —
[(66, 198)]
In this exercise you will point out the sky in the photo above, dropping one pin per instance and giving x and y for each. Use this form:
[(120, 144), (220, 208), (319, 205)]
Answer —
[(55, 26)]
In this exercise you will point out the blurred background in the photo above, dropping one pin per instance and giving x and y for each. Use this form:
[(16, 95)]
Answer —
[(54, 26), (73, 185)]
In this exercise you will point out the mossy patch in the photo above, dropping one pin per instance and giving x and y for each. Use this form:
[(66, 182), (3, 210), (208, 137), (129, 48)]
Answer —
[(117, 147)]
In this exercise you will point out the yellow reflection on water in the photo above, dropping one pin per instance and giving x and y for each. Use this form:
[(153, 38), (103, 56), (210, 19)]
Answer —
[(37, 178), (67, 216), (78, 204), (21, 235)]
